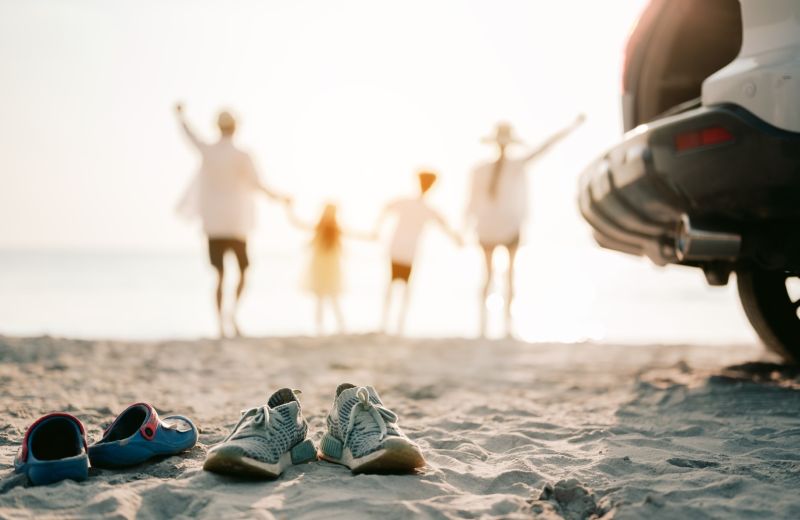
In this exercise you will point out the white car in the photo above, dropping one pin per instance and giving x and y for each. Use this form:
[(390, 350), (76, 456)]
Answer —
[(708, 173)]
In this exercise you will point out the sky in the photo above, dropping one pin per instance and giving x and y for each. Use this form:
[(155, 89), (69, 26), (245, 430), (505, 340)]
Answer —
[(338, 101)]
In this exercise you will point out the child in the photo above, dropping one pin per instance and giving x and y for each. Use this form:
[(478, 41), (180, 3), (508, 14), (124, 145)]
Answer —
[(413, 213), (324, 275)]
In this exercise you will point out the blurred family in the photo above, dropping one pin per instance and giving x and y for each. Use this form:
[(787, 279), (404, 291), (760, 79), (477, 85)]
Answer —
[(223, 195)]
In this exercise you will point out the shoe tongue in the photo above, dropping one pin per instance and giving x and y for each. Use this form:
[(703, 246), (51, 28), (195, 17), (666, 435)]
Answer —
[(282, 396)]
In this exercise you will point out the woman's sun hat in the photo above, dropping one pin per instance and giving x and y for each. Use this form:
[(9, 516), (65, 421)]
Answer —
[(503, 135)]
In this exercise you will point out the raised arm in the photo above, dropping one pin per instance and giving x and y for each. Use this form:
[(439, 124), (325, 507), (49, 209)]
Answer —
[(186, 129), (553, 139)]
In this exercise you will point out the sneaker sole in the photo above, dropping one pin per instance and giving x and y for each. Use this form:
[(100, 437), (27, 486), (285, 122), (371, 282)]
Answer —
[(399, 456), (226, 463)]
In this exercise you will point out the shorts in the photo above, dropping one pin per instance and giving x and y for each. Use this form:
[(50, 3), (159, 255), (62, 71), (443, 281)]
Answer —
[(401, 272), (217, 247)]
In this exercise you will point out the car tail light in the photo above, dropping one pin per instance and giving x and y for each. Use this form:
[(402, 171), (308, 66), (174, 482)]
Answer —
[(694, 139)]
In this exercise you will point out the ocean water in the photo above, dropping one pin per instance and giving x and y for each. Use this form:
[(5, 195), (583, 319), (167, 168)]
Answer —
[(572, 295)]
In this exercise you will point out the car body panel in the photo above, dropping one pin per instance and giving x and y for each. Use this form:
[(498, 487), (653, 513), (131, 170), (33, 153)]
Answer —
[(637, 192)]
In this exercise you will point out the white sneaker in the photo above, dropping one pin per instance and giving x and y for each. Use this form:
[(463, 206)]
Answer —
[(266, 440), (364, 436)]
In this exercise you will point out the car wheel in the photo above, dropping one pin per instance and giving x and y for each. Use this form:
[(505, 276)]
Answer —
[(771, 310)]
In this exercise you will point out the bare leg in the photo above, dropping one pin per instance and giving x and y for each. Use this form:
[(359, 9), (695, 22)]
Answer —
[(220, 321), (239, 289), (386, 307), (337, 311), (401, 321), (512, 255), (320, 315), (488, 252)]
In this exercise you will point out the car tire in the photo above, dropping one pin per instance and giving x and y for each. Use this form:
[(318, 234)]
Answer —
[(771, 311)]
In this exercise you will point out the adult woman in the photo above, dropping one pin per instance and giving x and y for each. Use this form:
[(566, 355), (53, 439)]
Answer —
[(498, 205)]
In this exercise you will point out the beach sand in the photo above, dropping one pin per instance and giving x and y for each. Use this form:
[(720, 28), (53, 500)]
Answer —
[(510, 430)]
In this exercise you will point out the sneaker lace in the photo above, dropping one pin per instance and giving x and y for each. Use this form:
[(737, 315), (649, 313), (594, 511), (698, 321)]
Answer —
[(259, 415), (378, 414)]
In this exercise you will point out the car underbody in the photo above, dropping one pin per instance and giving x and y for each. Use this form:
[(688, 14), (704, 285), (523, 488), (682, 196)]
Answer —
[(708, 173)]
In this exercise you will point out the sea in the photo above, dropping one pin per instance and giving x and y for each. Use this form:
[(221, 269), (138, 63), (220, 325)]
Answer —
[(562, 295)]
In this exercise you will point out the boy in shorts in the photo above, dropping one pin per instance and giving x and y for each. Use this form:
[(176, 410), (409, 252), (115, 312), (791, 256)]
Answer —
[(413, 214)]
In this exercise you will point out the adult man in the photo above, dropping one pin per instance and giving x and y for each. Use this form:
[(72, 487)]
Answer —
[(498, 206), (412, 213), (223, 195)]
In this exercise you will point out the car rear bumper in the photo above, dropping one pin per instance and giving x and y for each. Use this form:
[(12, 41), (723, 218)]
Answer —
[(637, 194)]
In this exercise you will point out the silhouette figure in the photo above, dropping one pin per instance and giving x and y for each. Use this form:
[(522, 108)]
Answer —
[(223, 195), (324, 275), (413, 214), (498, 206)]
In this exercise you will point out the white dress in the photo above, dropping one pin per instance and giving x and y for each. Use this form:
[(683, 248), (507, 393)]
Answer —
[(499, 217)]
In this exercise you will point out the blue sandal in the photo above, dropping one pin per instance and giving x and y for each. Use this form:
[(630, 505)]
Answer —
[(53, 449), (138, 434)]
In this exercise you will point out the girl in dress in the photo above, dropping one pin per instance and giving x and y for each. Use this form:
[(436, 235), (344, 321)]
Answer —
[(324, 273)]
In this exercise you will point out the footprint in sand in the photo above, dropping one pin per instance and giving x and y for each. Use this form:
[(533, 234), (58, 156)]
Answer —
[(692, 463)]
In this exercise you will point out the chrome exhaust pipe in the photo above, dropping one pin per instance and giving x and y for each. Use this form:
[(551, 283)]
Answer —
[(695, 243)]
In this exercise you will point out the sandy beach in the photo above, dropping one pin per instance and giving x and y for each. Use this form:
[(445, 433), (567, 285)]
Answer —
[(510, 430)]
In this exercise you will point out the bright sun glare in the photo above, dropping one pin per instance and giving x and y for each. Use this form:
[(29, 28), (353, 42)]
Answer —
[(338, 101)]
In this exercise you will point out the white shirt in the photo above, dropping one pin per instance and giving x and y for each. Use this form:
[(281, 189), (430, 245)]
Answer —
[(412, 215), (499, 218), (223, 192)]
